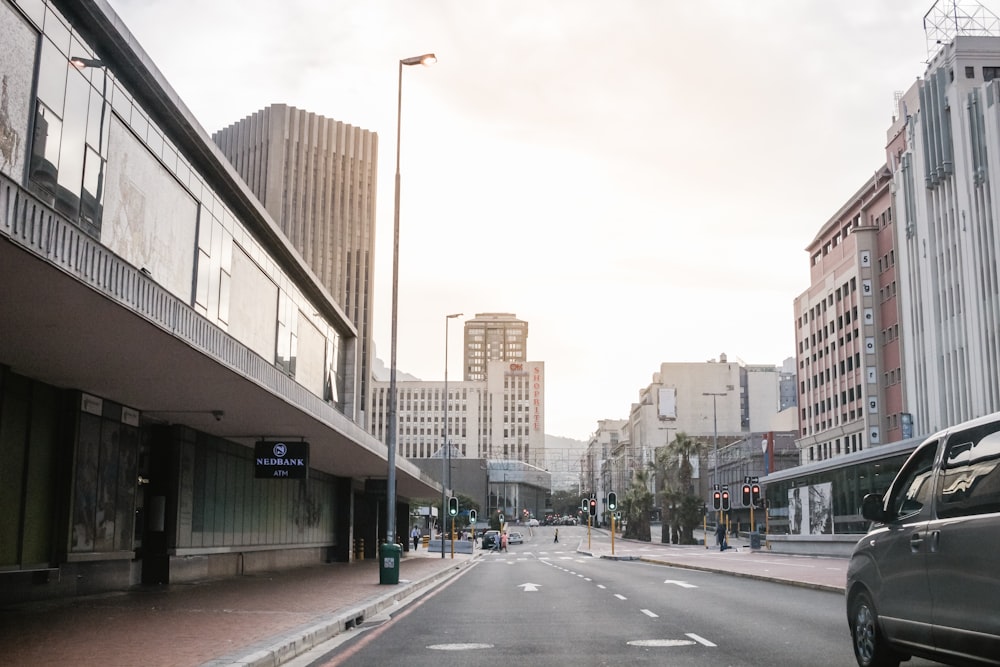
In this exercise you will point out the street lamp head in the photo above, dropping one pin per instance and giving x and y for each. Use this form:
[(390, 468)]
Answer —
[(453, 315), (426, 59), (80, 62)]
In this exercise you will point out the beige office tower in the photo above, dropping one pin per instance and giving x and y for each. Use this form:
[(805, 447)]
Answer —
[(317, 178), (493, 337)]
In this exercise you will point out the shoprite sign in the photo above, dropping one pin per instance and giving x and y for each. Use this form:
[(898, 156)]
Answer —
[(281, 460)]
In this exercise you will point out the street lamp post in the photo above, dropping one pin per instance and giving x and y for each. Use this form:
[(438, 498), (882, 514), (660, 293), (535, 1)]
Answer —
[(390, 529), (446, 452), (715, 435)]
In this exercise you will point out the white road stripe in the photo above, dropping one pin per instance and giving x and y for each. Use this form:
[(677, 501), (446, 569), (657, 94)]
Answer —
[(700, 640), (620, 596), (649, 613)]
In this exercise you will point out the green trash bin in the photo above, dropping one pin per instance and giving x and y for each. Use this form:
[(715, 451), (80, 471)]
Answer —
[(388, 564)]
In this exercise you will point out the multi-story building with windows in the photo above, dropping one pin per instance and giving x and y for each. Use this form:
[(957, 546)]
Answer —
[(317, 179), (493, 337), (162, 343), (500, 418), (839, 349), (948, 249)]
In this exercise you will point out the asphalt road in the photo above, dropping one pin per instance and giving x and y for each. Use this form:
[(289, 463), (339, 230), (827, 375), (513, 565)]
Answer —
[(543, 604)]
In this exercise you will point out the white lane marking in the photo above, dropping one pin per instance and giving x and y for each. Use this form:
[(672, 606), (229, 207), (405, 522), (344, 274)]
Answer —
[(601, 586), (660, 642), (587, 579), (620, 596), (700, 640), (649, 613), (682, 584), (529, 588), (459, 647)]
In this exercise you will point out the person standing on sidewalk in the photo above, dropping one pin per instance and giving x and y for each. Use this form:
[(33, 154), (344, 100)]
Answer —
[(557, 536), (720, 536), (415, 534)]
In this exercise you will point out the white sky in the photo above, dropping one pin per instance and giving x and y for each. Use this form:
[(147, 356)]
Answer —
[(637, 179)]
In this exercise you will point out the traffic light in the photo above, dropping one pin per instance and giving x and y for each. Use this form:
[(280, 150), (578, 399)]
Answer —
[(612, 501), (746, 496), (593, 507), (725, 501), (452, 506), (472, 517), (755, 495), (584, 504), (716, 500)]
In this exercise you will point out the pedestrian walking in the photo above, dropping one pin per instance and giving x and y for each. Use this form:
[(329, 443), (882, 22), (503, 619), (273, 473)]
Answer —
[(557, 536), (720, 536), (415, 534), (503, 541)]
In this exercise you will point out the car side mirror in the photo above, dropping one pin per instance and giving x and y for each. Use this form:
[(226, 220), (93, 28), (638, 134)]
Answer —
[(872, 508)]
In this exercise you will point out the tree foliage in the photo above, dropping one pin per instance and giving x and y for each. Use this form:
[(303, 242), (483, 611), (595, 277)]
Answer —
[(636, 508), (680, 506)]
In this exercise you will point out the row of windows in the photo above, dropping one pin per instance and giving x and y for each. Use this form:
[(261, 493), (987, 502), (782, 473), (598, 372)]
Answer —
[(887, 292), (835, 241), (846, 397), (887, 261), (845, 366), (837, 447), (829, 329)]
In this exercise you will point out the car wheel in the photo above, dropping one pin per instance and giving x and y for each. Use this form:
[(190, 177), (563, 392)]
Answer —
[(870, 647)]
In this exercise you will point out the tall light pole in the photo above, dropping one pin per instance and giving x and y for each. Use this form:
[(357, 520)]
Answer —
[(446, 452), (390, 529), (715, 436)]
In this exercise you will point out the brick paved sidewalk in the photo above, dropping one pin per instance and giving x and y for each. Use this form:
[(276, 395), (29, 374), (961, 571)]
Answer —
[(251, 619)]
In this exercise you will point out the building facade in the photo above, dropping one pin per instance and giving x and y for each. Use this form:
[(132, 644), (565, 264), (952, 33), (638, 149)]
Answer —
[(946, 235), (493, 337), (162, 343), (500, 418), (837, 329), (317, 179)]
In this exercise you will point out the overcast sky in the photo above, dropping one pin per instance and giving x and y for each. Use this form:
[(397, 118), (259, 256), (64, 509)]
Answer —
[(637, 179)]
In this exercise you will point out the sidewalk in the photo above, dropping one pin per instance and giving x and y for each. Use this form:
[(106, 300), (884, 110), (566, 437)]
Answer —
[(266, 619), (259, 620), (819, 572)]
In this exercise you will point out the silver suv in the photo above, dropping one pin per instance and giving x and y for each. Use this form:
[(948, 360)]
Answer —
[(925, 580)]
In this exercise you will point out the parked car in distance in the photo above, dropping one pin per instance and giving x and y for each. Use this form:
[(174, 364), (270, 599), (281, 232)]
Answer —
[(491, 539), (533, 523), (923, 581), (514, 537)]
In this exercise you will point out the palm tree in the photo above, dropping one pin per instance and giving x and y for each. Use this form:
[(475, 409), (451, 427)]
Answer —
[(636, 507), (680, 506)]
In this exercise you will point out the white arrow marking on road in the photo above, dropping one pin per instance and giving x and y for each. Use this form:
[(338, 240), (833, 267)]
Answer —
[(682, 584), (530, 588)]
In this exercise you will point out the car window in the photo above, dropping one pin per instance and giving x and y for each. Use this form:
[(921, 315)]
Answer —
[(970, 479), (914, 487)]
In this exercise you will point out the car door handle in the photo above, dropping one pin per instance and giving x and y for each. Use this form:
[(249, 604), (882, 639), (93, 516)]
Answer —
[(916, 541)]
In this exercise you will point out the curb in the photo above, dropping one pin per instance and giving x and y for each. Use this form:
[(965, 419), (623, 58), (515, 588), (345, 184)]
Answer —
[(745, 575), (275, 651)]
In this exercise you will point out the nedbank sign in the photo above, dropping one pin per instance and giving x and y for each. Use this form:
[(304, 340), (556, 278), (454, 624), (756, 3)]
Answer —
[(281, 460)]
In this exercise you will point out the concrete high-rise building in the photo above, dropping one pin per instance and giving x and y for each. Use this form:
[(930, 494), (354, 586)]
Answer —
[(501, 418), (948, 248), (317, 178), (493, 337), (840, 342)]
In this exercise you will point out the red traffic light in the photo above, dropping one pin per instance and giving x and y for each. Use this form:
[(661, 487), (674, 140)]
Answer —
[(593, 507), (725, 501), (755, 495), (717, 500)]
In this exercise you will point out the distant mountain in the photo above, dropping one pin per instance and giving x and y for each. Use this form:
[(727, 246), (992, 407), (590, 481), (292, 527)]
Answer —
[(562, 460), (381, 373)]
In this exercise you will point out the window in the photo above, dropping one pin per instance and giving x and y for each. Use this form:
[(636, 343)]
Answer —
[(912, 490), (990, 73), (970, 479)]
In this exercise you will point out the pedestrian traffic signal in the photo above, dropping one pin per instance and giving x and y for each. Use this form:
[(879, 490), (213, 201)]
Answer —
[(717, 500), (452, 506), (755, 495), (472, 517), (725, 501), (612, 501), (593, 507), (584, 504), (747, 501)]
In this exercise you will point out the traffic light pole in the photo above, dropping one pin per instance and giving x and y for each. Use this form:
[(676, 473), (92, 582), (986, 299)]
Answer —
[(612, 533)]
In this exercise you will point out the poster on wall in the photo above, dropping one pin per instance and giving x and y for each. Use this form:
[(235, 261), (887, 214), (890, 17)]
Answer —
[(810, 509)]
